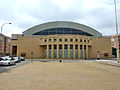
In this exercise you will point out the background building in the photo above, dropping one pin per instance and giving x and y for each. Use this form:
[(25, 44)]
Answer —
[(5, 45), (61, 39), (115, 41), (114, 44)]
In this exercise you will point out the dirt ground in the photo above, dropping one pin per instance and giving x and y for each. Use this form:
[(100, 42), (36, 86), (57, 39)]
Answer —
[(61, 76)]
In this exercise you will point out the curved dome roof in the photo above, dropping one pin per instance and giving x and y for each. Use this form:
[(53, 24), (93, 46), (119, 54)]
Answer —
[(62, 24)]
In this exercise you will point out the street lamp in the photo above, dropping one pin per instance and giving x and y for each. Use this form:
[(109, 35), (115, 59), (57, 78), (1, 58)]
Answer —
[(3, 25), (1, 34), (117, 42)]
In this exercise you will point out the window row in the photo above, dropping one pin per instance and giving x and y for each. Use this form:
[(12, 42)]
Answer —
[(65, 46), (53, 31), (66, 40)]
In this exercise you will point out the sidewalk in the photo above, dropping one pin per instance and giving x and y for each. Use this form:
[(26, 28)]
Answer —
[(109, 62)]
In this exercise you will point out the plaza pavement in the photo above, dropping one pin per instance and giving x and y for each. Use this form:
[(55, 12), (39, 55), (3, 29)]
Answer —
[(61, 76)]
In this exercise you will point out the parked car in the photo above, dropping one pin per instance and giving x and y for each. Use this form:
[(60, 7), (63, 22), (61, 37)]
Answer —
[(5, 57), (16, 59), (22, 58), (1, 58), (7, 61)]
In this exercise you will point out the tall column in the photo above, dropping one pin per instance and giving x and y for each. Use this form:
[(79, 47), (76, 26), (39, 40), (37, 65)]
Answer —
[(57, 51), (63, 51), (86, 51), (52, 51), (69, 51), (73, 51), (47, 51)]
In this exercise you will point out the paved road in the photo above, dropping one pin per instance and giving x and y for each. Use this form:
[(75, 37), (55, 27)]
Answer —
[(7, 68)]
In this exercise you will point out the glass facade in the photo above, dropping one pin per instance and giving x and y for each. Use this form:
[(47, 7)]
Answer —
[(80, 51), (65, 51), (71, 51), (55, 51), (61, 30), (76, 51), (60, 51)]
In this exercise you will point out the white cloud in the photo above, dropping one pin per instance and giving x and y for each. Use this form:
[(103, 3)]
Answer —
[(98, 14), (64, 4)]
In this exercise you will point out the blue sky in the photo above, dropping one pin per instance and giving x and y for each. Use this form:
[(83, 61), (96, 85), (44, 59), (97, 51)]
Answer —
[(23, 14)]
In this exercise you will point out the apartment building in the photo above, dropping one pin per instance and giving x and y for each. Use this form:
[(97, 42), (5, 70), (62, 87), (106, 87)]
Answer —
[(5, 44)]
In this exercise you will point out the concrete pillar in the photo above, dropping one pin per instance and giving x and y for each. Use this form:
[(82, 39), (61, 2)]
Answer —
[(86, 51), (73, 51), (47, 51)]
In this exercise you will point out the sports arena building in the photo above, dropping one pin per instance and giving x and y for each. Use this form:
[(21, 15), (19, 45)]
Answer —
[(61, 40)]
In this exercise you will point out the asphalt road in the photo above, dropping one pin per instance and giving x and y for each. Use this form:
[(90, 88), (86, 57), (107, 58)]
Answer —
[(7, 68)]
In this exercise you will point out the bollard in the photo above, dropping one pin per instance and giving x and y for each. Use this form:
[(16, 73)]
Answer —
[(60, 60)]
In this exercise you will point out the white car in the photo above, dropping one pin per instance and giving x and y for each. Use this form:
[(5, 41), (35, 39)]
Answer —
[(16, 59), (22, 58), (5, 57), (7, 61)]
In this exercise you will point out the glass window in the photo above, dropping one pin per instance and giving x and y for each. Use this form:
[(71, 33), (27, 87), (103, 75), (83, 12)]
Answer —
[(76, 51), (60, 46), (60, 40), (81, 51), (59, 30), (50, 40), (62, 30), (80, 40), (65, 51), (60, 51), (50, 47), (71, 46), (65, 40), (55, 40), (84, 46), (84, 40), (80, 46), (76, 40), (55, 46), (71, 40), (45, 46), (45, 40), (65, 46), (66, 30), (76, 46)]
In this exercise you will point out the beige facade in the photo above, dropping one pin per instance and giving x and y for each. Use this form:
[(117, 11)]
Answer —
[(61, 46)]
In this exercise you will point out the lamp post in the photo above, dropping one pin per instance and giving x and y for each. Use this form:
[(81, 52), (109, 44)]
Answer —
[(3, 25), (1, 33), (117, 40)]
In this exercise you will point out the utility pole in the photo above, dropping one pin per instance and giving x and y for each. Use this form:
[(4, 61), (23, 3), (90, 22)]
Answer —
[(117, 39)]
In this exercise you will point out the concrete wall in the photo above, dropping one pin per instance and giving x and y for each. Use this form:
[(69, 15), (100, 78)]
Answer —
[(28, 44)]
